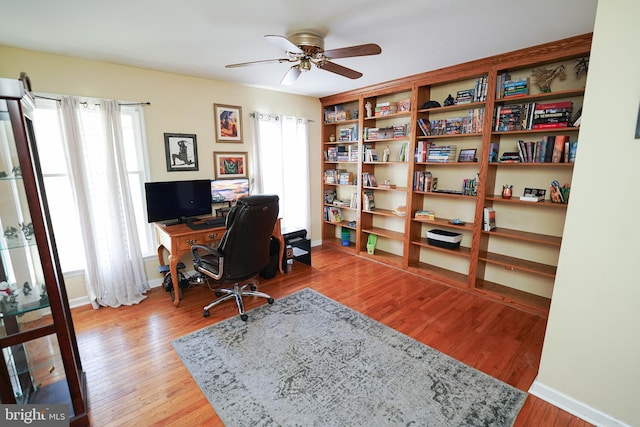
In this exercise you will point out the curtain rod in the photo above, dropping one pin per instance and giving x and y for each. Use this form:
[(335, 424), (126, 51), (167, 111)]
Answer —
[(276, 116), (86, 103)]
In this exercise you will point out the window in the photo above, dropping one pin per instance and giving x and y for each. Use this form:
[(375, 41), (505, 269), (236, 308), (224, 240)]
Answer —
[(55, 172)]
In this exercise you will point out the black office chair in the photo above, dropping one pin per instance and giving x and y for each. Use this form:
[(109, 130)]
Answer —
[(243, 251)]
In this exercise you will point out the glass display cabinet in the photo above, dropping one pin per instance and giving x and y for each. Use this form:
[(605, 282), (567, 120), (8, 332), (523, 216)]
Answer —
[(41, 362)]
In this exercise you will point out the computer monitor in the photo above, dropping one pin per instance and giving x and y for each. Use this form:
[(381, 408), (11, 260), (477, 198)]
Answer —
[(177, 201), (229, 190)]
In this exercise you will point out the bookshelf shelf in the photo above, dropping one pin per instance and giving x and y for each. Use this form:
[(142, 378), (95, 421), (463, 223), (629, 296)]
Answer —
[(535, 205), (570, 93), (526, 236), (530, 231), (457, 135), (512, 263), (460, 251), (383, 232)]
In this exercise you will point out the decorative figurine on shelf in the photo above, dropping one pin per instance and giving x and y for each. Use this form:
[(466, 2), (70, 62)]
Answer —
[(544, 77), (582, 66), (44, 298), (386, 153), (332, 138), (27, 230), (8, 298), (507, 191), (11, 233), (26, 289), (16, 171), (368, 107), (449, 101)]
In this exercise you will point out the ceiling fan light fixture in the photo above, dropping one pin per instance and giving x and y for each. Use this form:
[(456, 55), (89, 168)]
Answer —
[(305, 65)]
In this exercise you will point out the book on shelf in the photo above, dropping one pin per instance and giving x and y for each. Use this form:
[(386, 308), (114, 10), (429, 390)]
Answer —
[(404, 105), (425, 126), (371, 155), (369, 180), (368, 202), (335, 215), (425, 215), (345, 178), (330, 195), (558, 148), (400, 211), (422, 181), (354, 201), (344, 203), (494, 152), (533, 194), (488, 219)]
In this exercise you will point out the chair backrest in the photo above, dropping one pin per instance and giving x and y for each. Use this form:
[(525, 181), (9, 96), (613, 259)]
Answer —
[(245, 244)]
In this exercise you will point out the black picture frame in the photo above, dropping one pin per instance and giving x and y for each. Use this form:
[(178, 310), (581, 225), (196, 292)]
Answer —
[(181, 151)]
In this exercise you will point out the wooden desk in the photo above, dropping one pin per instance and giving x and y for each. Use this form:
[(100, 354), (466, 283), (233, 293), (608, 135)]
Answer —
[(178, 239)]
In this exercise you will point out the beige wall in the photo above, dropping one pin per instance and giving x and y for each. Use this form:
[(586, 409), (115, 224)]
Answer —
[(179, 104), (591, 351)]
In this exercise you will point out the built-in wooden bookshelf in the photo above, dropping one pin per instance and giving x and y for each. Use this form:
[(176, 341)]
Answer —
[(516, 262)]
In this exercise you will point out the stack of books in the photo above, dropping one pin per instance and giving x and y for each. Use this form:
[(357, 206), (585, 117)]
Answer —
[(509, 118), (386, 108), (422, 181), (441, 153), (552, 115), (515, 87), (425, 215), (466, 96)]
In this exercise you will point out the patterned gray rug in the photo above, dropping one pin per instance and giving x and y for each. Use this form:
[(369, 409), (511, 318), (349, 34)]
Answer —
[(307, 360)]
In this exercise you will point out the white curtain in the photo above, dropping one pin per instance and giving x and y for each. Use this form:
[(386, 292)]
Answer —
[(93, 138), (281, 166)]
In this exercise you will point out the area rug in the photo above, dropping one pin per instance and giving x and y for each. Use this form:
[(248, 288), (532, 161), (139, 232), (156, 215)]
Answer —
[(308, 360)]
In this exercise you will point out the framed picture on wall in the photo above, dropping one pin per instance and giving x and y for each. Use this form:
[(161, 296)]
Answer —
[(230, 165), (228, 120), (181, 150)]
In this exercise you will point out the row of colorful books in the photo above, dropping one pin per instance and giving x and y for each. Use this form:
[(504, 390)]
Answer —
[(533, 115), (390, 132), (550, 149), (472, 123)]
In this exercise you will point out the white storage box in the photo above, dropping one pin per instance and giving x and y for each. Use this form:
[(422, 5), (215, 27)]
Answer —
[(444, 239)]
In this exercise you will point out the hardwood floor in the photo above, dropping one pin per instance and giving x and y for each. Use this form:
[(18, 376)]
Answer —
[(135, 378)]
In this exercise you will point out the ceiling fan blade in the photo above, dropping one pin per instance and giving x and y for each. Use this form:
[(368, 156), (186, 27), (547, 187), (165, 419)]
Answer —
[(291, 76), (266, 61), (283, 43), (339, 69), (347, 52)]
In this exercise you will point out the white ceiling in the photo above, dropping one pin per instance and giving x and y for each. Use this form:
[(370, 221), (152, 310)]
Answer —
[(199, 37)]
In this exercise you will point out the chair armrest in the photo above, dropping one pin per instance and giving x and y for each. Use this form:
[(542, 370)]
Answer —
[(198, 264), (207, 249)]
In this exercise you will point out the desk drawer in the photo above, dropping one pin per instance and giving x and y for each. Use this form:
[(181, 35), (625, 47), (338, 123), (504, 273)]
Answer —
[(213, 236), (185, 242)]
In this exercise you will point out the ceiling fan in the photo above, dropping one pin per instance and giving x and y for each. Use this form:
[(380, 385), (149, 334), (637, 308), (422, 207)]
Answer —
[(306, 48)]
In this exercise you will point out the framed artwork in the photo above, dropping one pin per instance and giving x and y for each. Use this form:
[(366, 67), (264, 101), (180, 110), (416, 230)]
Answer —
[(181, 150), (228, 119), (468, 155), (230, 165)]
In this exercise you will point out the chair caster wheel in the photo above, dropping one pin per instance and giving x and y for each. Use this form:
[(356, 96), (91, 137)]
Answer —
[(270, 300), (206, 313), (253, 287), (218, 294), (244, 317)]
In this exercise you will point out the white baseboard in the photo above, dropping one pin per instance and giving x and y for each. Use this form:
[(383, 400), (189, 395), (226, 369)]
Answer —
[(84, 300), (573, 406)]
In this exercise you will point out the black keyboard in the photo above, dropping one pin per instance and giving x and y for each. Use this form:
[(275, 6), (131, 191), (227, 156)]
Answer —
[(210, 223)]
